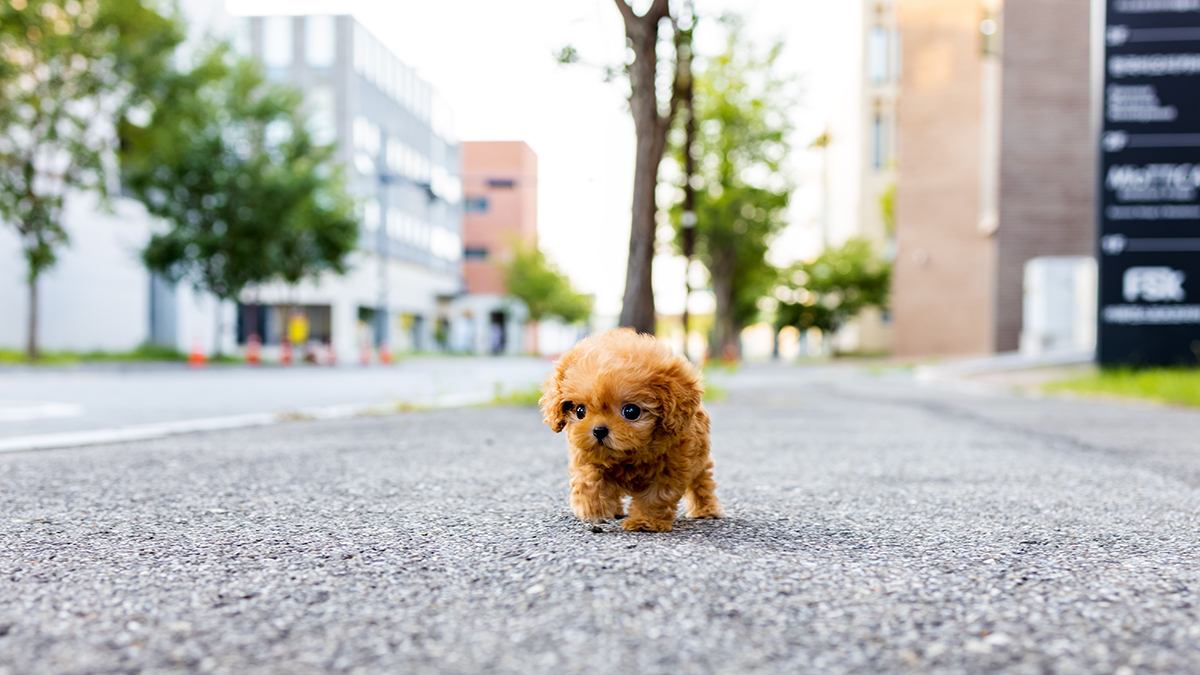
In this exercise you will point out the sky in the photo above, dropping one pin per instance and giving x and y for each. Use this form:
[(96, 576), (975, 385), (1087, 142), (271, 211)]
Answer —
[(493, 62)]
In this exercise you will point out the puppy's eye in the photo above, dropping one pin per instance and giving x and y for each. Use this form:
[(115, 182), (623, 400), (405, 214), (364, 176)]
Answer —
[(581, 412), (631, 412)]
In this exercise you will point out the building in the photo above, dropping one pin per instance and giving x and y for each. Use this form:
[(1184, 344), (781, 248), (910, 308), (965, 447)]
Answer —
[(99, 295), (996, 165), (859, 155), (499, 212), (394, 135)]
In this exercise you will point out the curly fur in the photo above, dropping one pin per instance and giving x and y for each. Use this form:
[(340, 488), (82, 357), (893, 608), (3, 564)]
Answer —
[(656, 459)]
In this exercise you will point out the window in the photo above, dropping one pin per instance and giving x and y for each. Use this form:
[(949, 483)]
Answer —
[(475, 205), (371, 215), (398, 83), (475, 253), (877, 55), (277, 41), (501, 182), (240, 29), (360, 50), (395, 223), (879, 143), (395, 155), (372, 61), (321, 41), (323, 120), (388, 77)]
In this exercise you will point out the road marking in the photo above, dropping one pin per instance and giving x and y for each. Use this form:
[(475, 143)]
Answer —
[(22, 411), (134, 432), (140, 432)]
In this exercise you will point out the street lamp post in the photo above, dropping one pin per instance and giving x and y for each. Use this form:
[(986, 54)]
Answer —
[(383, 237)]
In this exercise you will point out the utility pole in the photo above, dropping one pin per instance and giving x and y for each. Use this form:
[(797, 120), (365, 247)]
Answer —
[(383, 250)]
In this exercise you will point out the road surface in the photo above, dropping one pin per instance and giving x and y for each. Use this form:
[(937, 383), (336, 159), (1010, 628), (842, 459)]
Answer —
[(874, 526)]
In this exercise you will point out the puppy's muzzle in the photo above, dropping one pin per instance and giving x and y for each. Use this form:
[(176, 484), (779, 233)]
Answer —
[(600, 433)]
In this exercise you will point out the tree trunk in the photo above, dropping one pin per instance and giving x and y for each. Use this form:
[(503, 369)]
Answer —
[(724, 344), (31, 345), (637, 310)]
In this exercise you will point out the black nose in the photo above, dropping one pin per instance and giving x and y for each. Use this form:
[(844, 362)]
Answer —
[(600, 433)]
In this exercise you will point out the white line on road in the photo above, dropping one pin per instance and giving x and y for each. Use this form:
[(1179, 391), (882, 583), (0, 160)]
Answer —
[(139, 432), (22, 411)]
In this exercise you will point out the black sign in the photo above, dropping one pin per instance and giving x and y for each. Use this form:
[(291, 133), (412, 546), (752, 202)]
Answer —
[(1149, 219)]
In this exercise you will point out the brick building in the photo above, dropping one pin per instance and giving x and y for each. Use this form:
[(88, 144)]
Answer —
[(500, 181), (499, 212), (996, 164)]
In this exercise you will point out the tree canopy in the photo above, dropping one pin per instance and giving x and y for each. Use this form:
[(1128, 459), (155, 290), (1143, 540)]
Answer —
[(226, 159), (832, 288), (545, 290), (69, 70), (742, 194)]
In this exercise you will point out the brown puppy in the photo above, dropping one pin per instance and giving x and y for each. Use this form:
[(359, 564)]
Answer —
[(635, 427)]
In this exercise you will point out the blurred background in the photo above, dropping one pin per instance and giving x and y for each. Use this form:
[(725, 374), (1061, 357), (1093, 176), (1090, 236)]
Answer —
[(350, 182)]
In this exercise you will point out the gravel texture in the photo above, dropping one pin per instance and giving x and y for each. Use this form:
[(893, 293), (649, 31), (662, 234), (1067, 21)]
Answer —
[(874, 527)]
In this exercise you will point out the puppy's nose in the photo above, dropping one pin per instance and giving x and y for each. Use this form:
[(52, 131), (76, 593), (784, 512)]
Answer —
[(600, 433)]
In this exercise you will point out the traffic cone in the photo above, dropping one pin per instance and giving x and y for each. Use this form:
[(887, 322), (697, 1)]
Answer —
[(253, 350), (285, 353), (385, 354), (196, 358)]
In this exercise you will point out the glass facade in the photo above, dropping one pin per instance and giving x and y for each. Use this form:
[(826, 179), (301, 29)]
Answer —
[(392, 133)]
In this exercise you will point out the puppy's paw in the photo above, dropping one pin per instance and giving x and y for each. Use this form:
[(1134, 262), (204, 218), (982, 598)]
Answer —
[(589, 514), (642, 524), (707, 513)]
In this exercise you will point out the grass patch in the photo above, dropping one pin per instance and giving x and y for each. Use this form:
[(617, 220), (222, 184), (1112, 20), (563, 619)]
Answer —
[(715, 393), (10, 356), (1180, 386), (144, 353), (721, 366), (521, 398)]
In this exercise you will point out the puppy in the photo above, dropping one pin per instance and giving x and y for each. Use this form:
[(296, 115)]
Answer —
[(635, 427)]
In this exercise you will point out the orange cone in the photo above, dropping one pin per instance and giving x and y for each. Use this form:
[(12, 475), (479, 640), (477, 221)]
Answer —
[(196, 358), (285, 353), (385, 354), (253, 350)]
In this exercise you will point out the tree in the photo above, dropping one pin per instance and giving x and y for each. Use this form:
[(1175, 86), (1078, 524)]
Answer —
[(741, 197), (545, 290), (650, 123), (826, 292), (68, 71), (225, 158)]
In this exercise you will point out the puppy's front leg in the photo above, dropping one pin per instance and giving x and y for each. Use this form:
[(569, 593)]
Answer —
[(653, 510), (592, 499)]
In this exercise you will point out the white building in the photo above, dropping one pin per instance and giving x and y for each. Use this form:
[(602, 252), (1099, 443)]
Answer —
[(860, 155), (393, 135)]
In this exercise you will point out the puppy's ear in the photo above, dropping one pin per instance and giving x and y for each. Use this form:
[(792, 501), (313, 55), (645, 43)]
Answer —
[(679, 392), (554, 406)]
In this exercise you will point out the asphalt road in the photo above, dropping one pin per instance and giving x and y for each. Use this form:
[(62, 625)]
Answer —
[(874, 526), (83, 404)]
